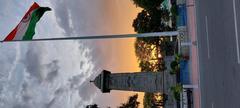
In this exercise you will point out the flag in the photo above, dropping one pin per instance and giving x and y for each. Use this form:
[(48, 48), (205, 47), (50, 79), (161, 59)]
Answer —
[(26, 28)]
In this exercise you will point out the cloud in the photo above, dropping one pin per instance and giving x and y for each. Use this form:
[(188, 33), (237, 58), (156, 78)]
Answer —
[(26, 96), (59, 91), (17, 58), (21, 106), (62, 76), (9, 59), (53, 70), (36, 68), (33, 62), (51, 103), (75, 81), (80, 17), (41, 77), (63, 20), (92, 17), (86, 91)]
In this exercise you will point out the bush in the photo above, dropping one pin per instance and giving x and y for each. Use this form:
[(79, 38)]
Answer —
[(172, 72), (174, 64), (174, 10), (174, 13), (176, 91), (177, 57)]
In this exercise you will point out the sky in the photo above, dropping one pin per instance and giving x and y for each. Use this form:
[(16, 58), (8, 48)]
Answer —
[(56, 74)]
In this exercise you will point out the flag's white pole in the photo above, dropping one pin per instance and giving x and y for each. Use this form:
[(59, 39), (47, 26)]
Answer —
[(153, 34)]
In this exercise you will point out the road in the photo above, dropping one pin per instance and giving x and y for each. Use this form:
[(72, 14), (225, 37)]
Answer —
[(218, 29)]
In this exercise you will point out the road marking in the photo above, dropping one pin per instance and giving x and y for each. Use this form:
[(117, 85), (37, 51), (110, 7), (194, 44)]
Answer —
[(236, 30), (206, 24), (212, 105)]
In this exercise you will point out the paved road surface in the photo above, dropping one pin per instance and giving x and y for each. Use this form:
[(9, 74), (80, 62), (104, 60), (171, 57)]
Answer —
[(218, 29)]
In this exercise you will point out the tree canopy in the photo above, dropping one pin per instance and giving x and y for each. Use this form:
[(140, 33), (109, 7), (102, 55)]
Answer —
[(143, 50), (92, 106), (153, 21), (131, 103), (150, 51), (148, 4)]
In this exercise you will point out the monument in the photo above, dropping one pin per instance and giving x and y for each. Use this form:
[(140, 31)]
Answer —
[(139, 81), (150, 82)]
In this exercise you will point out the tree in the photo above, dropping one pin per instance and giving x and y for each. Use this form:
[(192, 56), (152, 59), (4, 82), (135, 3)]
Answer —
[(148, 4), (147, 100), (174, 13), (176, 90), (154, 100), (160, 14), (151, 21), (144, 50), (131, 103), (147, 66), (147, 52), (167, 46), (92, 106), (141, 24)]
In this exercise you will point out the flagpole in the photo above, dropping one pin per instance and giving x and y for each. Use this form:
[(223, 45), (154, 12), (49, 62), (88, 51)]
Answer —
[(118, 36)]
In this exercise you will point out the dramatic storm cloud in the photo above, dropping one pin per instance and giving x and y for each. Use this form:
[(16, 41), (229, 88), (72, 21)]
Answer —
[(56, 74), (43, 74)]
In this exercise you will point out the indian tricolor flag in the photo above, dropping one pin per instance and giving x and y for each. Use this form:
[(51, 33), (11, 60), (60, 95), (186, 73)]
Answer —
[(26, 28)]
